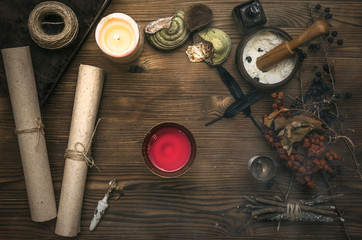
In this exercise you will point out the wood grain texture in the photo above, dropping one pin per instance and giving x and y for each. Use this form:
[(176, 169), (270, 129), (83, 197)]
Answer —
[(205, 203)]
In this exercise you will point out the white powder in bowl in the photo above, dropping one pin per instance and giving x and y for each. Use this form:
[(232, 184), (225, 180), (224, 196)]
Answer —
[(258, 45)]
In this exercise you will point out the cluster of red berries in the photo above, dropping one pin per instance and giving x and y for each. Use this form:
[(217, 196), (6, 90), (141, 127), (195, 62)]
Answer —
[(308, 156), (301, 165), (278, 101)]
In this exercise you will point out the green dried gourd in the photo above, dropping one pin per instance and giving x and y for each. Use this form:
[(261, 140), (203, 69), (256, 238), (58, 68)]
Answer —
[(172, 37), (221, 43)]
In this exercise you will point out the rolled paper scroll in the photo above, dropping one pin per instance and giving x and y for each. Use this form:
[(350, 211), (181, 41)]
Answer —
[(29, 129), (86, 102)]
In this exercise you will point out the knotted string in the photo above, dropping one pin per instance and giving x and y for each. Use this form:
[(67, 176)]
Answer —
[(293, 210), (81, 152), (39, 129)]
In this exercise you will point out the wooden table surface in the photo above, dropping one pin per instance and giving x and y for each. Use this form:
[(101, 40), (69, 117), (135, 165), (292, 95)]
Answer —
[(206, 202)]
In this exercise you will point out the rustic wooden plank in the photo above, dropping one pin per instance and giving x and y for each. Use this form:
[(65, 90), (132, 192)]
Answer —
[(206, 202)]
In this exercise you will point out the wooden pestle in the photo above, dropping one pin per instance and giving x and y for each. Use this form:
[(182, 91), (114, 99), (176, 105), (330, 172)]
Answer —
[(286, 49)]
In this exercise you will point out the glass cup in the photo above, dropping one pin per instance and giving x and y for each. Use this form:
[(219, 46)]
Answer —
[(169, 149)]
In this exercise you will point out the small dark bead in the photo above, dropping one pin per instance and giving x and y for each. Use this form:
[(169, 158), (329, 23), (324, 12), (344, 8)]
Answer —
[(327, 34), (318, 74), (348, 95), (327, 10), (318, 6), (249, 59), (260, 50), (329, 87), (304, 55), (317, 80), (315, 67), (337, 95), (257, 79), (317, 47), (312, 47), (334, 34), (324, 86), (332, 175), (326, 68), (328, 16), (340, 42), (330, 39)]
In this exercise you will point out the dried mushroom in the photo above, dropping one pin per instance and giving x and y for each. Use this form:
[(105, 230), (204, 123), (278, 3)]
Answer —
[(201, 50), (198, 16), (157, 25), (167, 34), (221, 44)]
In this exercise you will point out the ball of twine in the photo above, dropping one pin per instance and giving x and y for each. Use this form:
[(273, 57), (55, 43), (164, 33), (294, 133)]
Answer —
[(50, 41)]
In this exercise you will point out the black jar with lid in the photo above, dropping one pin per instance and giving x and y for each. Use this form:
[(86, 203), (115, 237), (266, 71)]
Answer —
[(248, 16)]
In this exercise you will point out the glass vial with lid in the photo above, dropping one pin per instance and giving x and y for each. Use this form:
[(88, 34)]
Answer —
[(248, 16)]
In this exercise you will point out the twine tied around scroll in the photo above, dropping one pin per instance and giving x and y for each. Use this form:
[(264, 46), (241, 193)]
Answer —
[(83, 153), (39, 129)]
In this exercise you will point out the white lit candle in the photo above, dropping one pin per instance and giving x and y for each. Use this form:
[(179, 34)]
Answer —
[(119, 37)]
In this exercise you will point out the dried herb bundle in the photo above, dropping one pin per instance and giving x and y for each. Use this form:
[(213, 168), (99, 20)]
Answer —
[(315, 210)]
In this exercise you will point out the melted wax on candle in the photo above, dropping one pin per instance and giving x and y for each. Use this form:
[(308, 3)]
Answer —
[(119, 37)]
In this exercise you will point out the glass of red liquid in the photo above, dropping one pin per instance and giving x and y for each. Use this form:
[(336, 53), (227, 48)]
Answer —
[(169, 149)]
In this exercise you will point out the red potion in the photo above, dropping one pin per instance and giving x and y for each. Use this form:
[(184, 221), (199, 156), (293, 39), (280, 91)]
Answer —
[(169, 149)]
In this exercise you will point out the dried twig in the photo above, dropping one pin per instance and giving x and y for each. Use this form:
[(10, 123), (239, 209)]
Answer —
[(331, 75), (301, 87), (341, 128), (290, 188), (320, 199), (333, 197)]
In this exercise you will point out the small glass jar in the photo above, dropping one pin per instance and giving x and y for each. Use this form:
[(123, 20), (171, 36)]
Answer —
[(249, 16)]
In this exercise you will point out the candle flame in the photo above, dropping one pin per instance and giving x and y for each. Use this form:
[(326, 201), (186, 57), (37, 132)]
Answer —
[(117, 37)]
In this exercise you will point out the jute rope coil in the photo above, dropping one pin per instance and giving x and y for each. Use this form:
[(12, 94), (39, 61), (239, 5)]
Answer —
[(50, 41)]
